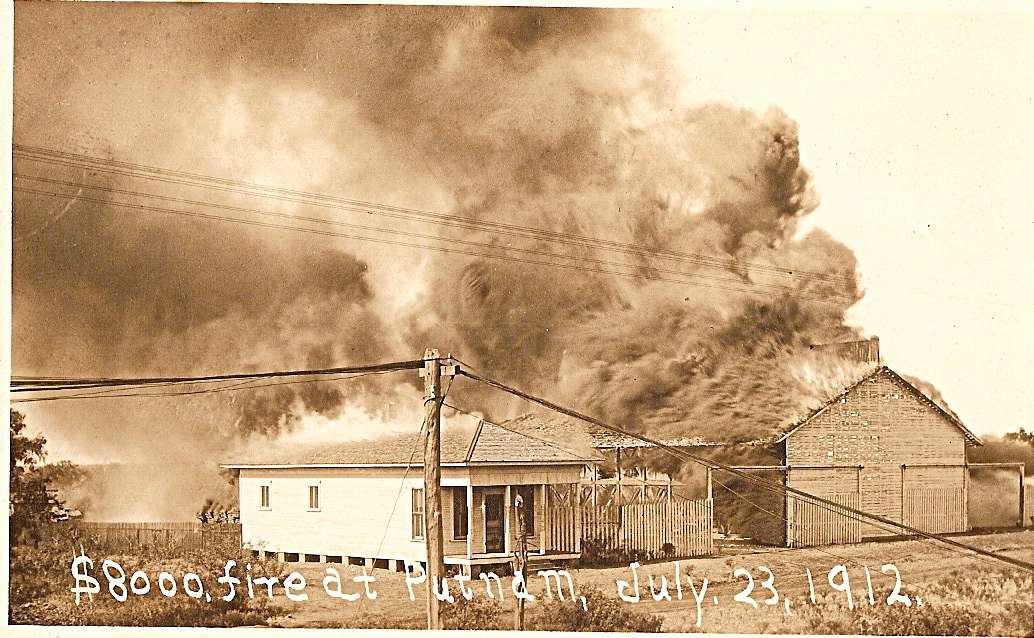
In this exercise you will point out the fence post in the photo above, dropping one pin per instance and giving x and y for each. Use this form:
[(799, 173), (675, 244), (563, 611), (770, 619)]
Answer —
[(1022, 495)]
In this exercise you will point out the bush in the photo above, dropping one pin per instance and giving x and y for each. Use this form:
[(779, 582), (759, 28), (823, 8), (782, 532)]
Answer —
[(41, 577), (601, 613), (595, 553), (480, 612), (830, 616)]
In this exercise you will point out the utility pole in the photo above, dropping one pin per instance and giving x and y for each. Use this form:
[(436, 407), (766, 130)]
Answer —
[(432, 372), (521, 558)]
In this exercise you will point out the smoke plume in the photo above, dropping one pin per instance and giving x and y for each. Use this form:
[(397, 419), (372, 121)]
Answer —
[(563, 120)]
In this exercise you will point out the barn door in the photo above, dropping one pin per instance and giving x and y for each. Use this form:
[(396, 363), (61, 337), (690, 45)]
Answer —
[(933, 498)]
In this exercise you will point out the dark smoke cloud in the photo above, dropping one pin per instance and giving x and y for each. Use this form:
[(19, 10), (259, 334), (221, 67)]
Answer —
[(564, 120)]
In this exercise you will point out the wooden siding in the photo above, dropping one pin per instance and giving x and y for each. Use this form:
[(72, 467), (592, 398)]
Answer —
[(527, 474), (645, 528), (366, 512), (360, 515), (879, 425)]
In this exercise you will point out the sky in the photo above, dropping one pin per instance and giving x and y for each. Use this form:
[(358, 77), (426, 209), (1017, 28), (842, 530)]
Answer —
[(912, 132)]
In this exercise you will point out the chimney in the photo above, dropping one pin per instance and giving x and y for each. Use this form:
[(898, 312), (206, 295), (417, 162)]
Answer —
[(864, 351)]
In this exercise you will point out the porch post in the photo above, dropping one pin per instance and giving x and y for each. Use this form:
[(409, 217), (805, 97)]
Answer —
[(543, 516), (577, 503), (595, 475), (506, 520), (470, 521)]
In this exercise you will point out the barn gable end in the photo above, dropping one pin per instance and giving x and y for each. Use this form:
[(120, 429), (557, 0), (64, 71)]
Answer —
[(885, 445), (878, 421)]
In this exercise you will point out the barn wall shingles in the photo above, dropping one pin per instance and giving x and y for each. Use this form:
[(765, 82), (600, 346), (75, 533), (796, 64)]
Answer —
[(880, 424)]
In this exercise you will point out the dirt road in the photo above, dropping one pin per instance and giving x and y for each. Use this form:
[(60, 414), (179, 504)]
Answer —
[(778, 575)]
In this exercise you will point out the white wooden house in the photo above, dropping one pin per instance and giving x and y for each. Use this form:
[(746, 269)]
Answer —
[(362, 502)]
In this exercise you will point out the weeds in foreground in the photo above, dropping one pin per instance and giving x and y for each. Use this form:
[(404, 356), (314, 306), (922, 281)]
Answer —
[(41, 579)]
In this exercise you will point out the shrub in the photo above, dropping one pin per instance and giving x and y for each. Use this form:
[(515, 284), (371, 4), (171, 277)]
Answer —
[(41, 577), (601, 613), (595, 552), (480, 612), (830, 616)]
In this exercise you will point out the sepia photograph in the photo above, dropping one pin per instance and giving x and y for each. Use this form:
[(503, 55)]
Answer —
[(690, 318)]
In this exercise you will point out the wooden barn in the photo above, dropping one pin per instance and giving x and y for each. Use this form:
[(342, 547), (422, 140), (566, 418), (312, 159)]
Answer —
[(880, 445), (363, 502)]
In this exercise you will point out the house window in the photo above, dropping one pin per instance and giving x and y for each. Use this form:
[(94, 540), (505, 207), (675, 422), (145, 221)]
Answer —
[(459, 513), (314, 498), (264, 497), (527, 493), (418, 513)]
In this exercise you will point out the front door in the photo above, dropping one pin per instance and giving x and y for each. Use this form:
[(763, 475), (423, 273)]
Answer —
[(495, 539)]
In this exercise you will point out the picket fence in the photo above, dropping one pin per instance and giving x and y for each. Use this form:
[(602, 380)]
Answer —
[(182, 535), (675, 528)]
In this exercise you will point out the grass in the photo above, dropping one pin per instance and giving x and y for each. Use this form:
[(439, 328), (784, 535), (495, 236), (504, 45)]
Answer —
[(41, 578)]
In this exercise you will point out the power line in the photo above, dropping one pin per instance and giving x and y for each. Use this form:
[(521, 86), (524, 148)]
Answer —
[(24, 385), (295, 218), (792, 492), (445, 249), (244, 385), (442, 249), (154, 173)]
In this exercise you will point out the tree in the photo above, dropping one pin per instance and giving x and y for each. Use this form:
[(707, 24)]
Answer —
[(30, 508), (1022, 436)]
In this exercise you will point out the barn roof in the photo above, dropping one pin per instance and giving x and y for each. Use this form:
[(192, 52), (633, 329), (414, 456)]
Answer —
[(486, 443), (792, 426), (581, 435)]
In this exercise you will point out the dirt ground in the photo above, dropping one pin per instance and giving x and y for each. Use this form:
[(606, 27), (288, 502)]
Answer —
[(921, 564)]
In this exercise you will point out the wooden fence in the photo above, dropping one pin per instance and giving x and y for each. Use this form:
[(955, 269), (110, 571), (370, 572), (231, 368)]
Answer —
[(813, 523), (1028, 504), (935, 509), (157, 535), (684, 525), (562, 533)]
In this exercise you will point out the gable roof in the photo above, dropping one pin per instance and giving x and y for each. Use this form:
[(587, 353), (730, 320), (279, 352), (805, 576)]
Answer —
[(947, 413), (487, 443), (578, 434), (582, 435)]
